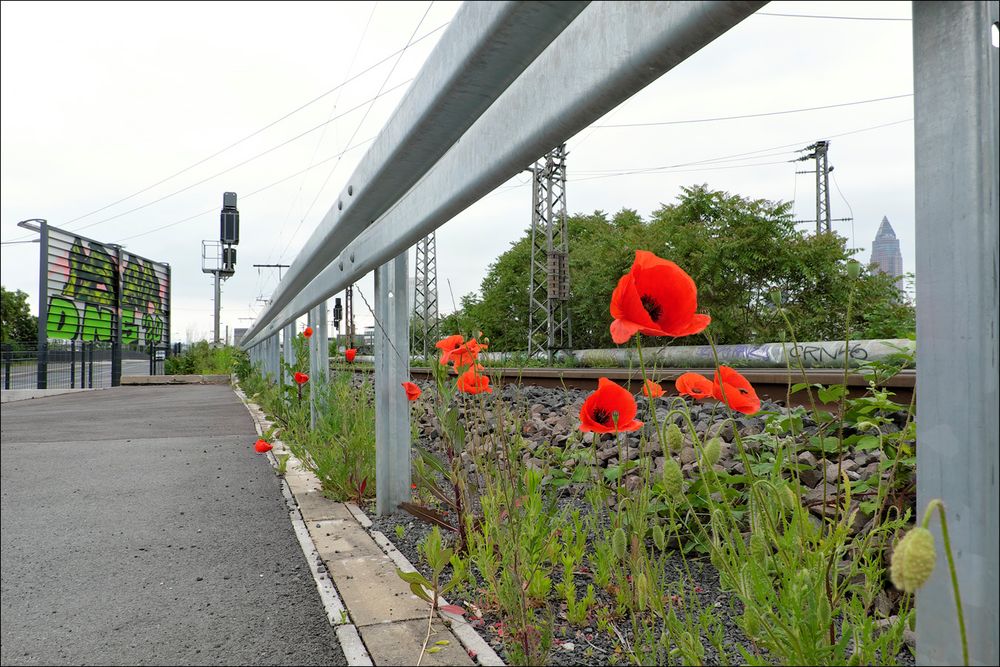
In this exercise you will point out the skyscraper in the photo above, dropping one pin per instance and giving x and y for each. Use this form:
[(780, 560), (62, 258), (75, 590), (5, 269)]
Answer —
[(886, 254)]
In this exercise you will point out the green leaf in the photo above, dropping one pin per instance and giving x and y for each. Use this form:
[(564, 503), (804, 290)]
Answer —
[(419, 591), (413, 578), (832, 393), (867, 442)]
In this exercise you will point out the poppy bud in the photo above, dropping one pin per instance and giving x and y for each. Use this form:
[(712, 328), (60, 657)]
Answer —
[(675, 439), (713, 450), (673, 478), (913, 560), (618, 543), (776, 297), (788, 498), (659, 538), (853, 269)]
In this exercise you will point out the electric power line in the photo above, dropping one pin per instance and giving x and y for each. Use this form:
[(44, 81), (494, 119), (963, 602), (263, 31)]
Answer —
[(339, 86), (755, 115), (842, 18)]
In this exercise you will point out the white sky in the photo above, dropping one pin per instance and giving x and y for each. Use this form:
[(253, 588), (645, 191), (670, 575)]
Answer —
[(101, 100)]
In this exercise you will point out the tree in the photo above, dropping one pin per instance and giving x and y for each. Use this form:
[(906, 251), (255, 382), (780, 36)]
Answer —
[(737, 250), (17, 324)]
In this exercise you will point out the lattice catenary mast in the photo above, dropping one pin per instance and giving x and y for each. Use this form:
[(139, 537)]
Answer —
[(425, 297), (549, 327)]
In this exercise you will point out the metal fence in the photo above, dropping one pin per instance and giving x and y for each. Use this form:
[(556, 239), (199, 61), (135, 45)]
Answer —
[(483, 108), (74, 365)]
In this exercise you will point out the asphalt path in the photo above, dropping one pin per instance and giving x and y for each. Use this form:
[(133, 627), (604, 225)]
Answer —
[(139, 527)]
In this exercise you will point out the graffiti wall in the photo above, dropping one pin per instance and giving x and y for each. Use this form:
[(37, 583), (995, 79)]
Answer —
[(82, 293)]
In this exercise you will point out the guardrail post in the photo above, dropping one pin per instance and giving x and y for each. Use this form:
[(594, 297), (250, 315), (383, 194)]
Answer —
[(392, 367), (312, 321), (323, 345), (289, 351), (955, 70)]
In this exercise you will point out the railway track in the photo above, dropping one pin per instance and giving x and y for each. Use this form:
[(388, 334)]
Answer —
[(772, 383)]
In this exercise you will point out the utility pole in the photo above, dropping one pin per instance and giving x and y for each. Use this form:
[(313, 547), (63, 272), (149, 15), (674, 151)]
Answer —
[(549, 326), (425, 296), (219, 258), (819, 152)]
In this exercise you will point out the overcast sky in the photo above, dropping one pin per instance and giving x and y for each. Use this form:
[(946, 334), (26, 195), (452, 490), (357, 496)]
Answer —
[(100, 101)]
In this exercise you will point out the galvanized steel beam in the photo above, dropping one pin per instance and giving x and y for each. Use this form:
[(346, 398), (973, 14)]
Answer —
[(392, 367), (486, 47), (958, 447), (611, 51)]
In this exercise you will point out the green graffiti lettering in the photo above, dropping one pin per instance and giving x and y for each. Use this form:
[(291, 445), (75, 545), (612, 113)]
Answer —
[(62, 320), (130, 332), (97, 323), (153, 327), (140, 286), (91, 276)]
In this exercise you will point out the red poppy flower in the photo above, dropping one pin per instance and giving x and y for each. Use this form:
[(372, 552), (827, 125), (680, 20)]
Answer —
[(301, 378), (657, 298), (308, 332), (472, 382), (449, 345), (610, 403), (735, 390), (465, 354), (349, 354), (262, 446), (694, 385), (652, 389), (412, 391)]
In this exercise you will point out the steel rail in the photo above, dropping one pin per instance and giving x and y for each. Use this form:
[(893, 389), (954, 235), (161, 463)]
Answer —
[(608, 53), (486, 47)]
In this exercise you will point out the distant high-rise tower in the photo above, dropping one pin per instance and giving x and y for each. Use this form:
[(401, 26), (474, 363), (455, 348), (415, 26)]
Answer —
[(886, 254)]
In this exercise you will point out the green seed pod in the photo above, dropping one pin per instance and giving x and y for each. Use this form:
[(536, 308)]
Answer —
[(853, 269), (673, 478), (913, 560), (758, 548), (675, 439), (659, 538), (618, 543), (713, 450), (788, 498)]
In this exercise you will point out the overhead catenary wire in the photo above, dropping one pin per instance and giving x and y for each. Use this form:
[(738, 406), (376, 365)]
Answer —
[(240, 164), (268, 126), (319, 192), (755, 115), (839, 18)]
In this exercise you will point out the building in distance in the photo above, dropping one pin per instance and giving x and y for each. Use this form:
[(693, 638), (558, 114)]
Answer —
[(885, 252)]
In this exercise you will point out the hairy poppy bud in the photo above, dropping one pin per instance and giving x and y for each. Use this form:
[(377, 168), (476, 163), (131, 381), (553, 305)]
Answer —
[(776, 297), (659, 538), (788, 498), (618, 543), (713, 450), (853, 269), (675, 439), (673, 478), (913, 560)]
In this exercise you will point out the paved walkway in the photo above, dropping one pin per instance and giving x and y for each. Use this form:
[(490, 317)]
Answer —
[(138, 527)]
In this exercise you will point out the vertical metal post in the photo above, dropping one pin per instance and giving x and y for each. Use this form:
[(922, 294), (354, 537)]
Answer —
[(392, 368), (289, 351), (312, 321), (43, 304), (218, 301), (349, 314), (322, 337), (72, 364), (956, 113), (6, 369), (116, 341), (90, 370)]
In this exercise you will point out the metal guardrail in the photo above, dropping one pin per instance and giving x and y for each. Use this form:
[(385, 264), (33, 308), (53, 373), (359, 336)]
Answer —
[(483, 107)]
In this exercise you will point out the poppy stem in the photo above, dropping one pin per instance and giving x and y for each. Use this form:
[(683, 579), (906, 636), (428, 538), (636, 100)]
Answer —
[(650, 401)]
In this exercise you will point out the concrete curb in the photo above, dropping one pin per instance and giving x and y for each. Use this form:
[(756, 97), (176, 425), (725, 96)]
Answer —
[(10, 395), (143, 380), (336, 613), (473, 644)]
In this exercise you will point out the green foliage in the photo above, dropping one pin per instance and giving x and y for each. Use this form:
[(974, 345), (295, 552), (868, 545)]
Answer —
[(17, 324), (203, 359), (737, 250)]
